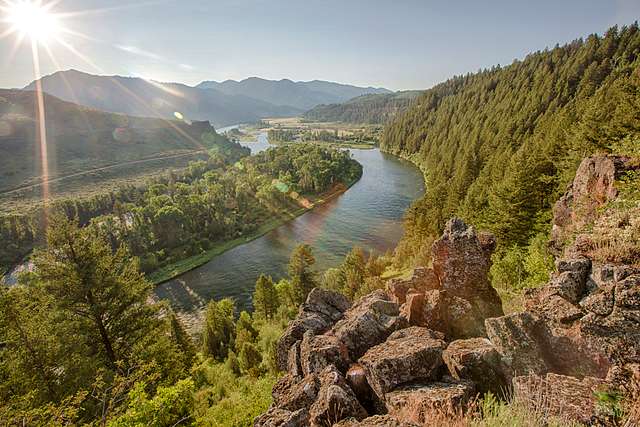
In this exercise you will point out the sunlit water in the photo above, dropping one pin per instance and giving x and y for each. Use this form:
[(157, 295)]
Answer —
[(369, 215)]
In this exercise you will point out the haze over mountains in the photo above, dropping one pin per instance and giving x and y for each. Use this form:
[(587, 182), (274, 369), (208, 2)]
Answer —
[(222, 104), (302, 95)]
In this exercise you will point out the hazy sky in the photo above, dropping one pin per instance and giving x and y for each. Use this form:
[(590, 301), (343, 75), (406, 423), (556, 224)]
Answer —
[(398, 44)]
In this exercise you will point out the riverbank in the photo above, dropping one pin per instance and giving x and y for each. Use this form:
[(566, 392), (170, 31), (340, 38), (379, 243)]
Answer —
[(178, 268)]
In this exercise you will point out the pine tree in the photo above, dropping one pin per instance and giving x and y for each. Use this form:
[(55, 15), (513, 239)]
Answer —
[(265, 298), (219, 329), (301, 275)]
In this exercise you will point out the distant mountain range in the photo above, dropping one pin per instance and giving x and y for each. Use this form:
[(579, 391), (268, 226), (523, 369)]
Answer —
[(374, 109), (225, 103), (301, 95)]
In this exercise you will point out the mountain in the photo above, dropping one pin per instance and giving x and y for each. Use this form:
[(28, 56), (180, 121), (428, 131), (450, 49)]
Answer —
[(88, 145), (144, 98), (498, 147), (374, 109), (302, 95)]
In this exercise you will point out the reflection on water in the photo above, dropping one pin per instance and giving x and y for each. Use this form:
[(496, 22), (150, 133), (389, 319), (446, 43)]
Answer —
[(369, 215)]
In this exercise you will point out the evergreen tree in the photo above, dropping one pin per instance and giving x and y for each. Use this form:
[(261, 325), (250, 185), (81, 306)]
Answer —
[(103, 291), (219, 329), (265, 298), (301, 274)]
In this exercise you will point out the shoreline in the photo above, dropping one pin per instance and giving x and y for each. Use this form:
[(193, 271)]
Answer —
[(181, 267)]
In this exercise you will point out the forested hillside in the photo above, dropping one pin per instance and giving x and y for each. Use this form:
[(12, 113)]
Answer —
[(498, 147), (374, 109)]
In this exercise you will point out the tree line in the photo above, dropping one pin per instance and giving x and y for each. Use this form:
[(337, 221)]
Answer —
[(499, 147)]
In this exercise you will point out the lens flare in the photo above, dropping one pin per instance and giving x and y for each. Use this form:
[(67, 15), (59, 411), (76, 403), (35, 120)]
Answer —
[(32, 19)]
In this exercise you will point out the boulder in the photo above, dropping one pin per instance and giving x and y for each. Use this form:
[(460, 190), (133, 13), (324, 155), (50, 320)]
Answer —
[(356, 377), (412, 308), (320, 311), (570, 285), (476, 360), (282, 418), (419, 402), (600, 302), (319, 351), (291, 394), (564, 397), (375, 421), (336, 401), (461, 261), (412, 354), (367, 323), (519, 339)]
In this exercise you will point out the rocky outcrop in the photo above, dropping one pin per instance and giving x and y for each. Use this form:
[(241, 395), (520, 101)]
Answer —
[(415, 403), (454, 296), (412, 354), (440, 338), (369, 322), (592, 187), (477, 360), (567, 398), (320, 311)]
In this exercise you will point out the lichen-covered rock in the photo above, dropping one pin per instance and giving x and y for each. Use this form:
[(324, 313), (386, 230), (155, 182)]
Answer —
[(415, 402), (294, 366), (367, 323), (412, 308), (461, 262), (320, 311), (600, 302), (570, 285), (518, 337), (282, 418), (375, 421), (476, 360), (422, 279), (560, 396), (336, 401), (319, 351), (412, 354), (292, 394)]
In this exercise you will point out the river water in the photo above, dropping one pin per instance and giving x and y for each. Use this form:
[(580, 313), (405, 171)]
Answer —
[(368, 215)]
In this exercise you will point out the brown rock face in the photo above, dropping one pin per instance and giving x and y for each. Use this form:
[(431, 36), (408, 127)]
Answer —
[(319, 351), (519, 338), (592, 187), (369, 322), (414, 403), (375, 421), (561, 396), (321, 310), (423, 279), (291, 394), (282, 418), (476, 360), (412, 354), (336, 401), (461, 261)]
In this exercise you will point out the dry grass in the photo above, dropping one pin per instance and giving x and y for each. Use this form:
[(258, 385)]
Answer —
[(614, 238)]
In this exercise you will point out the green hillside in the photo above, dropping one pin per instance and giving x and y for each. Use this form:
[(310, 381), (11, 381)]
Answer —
[(497, 147), (373, 109)]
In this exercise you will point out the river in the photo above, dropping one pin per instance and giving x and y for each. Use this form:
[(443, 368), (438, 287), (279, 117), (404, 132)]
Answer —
[(369, 215)]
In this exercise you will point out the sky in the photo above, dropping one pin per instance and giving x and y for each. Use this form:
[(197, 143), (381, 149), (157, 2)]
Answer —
[(397, 44)]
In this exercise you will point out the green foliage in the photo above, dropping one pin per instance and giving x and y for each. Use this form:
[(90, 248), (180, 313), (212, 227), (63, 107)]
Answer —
[(83, 321), (265, 298), (499, 146), (169, 407), (301, 274), (377, 108), (219, 329)]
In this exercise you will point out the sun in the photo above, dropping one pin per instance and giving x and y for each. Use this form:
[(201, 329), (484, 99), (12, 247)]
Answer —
[(32, 19)]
